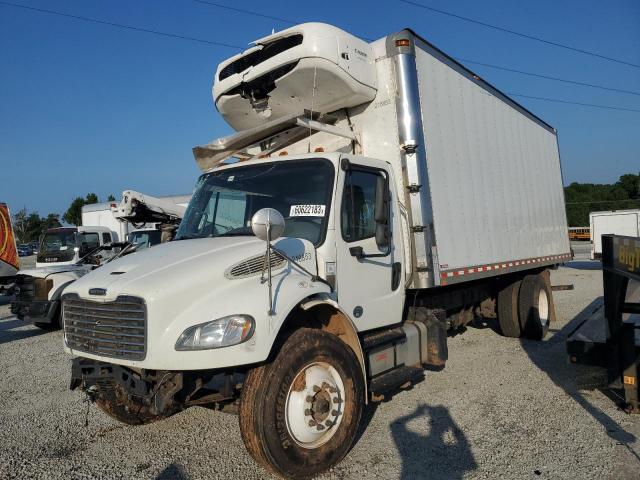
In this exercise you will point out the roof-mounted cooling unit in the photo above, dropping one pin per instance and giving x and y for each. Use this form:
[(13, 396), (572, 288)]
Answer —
[(312, 66)]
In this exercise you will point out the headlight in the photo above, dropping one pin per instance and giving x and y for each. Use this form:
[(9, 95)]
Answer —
[(223, 332), (42, 288)]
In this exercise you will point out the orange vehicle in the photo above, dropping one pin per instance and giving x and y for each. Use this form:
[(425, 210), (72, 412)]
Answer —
[(9, 264), (579, 233)]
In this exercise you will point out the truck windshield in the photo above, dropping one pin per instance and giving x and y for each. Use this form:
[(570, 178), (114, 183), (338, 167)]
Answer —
[(145, 238), (58, 241), (224, 201)]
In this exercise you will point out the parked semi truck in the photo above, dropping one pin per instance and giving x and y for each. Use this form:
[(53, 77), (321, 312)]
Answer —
[(71, 253), (612, 222), (379, 195)]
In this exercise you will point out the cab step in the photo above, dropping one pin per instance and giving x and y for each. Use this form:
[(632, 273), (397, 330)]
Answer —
[(387, 383)]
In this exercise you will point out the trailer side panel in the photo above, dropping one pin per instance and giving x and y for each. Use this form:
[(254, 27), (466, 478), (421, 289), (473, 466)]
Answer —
[(494, 175)]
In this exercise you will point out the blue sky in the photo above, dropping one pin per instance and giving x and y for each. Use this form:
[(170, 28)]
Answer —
[(87, 107)]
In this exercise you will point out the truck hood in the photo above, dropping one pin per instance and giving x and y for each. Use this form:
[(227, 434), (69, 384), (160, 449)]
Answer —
[(181, 265), (41, 272)]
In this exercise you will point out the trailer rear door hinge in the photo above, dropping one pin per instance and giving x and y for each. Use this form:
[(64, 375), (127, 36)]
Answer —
[(414, 188), (410, 148)]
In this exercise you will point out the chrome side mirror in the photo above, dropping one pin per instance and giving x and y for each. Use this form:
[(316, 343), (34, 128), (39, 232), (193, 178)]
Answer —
[(267, 224)]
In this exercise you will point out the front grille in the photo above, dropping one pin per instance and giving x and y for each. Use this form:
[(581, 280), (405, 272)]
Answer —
[(115, 329), (254, 266)]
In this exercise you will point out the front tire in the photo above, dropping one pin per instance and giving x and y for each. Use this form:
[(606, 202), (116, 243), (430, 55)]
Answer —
[(118, 405), (300, 414)]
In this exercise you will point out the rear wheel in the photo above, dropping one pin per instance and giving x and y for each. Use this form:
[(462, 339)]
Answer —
[(508, 310), (299, 415), (535, 304)]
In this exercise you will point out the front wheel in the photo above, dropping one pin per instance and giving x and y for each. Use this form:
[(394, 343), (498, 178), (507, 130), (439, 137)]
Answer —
[(299, 414), (55, 324)]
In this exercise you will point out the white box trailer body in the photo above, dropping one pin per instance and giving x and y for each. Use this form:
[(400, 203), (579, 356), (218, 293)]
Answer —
[(100, 214), (615, 222), (490, 193)]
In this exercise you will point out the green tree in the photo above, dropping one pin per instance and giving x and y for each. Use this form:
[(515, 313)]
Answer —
[(91, 198), (630, 183), (52, 221), (73, 215), (111, 198), (34, 227), (583, 198)]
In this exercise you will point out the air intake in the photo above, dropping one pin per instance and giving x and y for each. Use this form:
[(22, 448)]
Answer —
[(254, 266)]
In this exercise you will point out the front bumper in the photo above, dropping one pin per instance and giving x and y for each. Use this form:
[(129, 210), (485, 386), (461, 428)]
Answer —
[(36, 310), (159, 391)]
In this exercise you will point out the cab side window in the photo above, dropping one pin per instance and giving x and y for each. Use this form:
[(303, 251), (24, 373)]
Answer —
[(357, 215), (106, 238)]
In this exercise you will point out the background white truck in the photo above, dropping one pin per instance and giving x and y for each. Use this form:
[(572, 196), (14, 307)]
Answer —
[(70, 253), (66, 245), (113, 215), (614, 222), (383, 194)]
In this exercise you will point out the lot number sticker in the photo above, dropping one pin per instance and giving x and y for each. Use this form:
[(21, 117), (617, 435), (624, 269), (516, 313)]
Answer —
[(307, 211)]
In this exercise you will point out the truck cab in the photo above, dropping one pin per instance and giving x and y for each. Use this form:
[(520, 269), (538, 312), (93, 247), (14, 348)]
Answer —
[(328, 203), (67, 245)]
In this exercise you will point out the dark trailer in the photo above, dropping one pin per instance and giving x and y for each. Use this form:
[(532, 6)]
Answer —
[(612, 341)]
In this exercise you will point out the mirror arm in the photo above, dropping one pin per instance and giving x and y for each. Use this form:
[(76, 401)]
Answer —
[(314, 278), (271, 312)]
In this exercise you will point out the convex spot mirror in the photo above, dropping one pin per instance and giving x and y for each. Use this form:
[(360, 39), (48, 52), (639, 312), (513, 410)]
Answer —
[(267, 224)]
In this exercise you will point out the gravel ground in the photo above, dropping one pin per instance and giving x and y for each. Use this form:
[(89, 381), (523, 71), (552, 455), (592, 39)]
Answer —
[(502, 408)]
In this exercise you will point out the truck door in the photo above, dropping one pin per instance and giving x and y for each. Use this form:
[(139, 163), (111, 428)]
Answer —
[(370, 274)]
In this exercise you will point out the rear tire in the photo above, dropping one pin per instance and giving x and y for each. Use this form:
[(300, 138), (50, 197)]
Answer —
[(535, 303), (299, 415), (508, 310)]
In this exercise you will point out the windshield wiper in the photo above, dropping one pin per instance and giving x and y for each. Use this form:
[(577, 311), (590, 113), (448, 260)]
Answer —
[(187, 237), (234, 234)]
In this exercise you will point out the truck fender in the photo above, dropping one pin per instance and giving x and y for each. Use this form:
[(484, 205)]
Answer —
[(57, 292), (339, 324)]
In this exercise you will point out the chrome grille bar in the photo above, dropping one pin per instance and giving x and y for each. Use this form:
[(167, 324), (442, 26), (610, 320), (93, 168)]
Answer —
[(114, 329)]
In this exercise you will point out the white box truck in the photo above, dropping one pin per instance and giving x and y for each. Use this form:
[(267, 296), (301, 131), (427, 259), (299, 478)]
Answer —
[(105, 213), (379, 194), (615, 222)]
